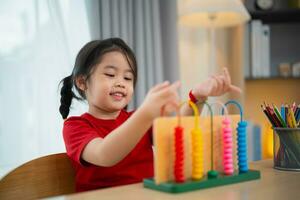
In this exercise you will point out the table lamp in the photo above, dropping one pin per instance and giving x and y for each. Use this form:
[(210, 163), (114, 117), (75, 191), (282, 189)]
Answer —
[(212, 14)]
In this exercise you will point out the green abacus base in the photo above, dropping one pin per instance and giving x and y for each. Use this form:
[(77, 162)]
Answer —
[(191, 185)]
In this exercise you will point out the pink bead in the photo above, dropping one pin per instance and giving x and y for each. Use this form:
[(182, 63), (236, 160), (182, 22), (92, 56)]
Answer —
[(227, 147)]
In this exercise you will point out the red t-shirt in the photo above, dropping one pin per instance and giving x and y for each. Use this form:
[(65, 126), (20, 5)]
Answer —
[(79, 131)]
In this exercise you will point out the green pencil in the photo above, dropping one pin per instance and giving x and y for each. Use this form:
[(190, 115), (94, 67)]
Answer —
[(279, 116)]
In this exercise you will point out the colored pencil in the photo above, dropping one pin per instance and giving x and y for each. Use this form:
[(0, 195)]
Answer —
[(286, 111), (273, 116), (293, 107), (288, 117), (282, 122), (297, 113), (293, 120), (268, 116), (282, 110)]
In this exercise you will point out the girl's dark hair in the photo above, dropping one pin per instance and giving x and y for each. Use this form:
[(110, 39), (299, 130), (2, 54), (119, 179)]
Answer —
[(88, 57)]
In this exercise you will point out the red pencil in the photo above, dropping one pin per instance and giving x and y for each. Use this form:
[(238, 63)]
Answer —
[(268, 116), (273, 115)]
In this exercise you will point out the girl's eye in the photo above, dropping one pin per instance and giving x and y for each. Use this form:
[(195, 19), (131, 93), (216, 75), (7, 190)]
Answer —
[(128, 78), (109, 75)]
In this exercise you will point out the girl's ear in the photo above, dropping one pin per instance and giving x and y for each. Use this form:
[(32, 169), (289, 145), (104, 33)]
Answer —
[(80, 83)]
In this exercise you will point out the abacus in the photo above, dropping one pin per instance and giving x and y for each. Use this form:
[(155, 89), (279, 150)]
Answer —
[(187, 150)]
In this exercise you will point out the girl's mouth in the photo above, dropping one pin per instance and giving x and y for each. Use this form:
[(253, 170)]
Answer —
[(118, 95)]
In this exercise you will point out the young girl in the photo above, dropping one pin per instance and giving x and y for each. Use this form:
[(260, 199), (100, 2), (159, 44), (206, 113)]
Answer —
[(109, 146)]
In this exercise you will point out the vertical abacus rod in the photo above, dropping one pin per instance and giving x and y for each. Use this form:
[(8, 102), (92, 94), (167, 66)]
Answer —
[(237, 104), (179, 155), (227, 142), (211, 135), (178, 168), (241, 140), (227, 147), (242, 146), (197, 146), (211, 173)]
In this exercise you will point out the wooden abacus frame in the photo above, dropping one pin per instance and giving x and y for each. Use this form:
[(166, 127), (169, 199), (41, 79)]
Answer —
[(190, 185), (208, 181)]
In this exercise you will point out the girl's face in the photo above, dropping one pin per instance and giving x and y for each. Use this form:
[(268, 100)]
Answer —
[(110, 86)]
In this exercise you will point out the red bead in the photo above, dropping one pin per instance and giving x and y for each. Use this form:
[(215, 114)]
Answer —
[(179, 155)]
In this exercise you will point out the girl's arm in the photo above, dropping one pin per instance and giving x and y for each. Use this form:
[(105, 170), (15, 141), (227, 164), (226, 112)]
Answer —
[(114, 147), (213, 86)]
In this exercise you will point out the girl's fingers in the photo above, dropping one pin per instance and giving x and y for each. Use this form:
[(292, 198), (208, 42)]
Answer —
[(170, 90), (219, 85), (171, 106), (160, 86), (165, 84), (230, 87), (175, 85), (225, 84), (170, 100), (226, 76), (234, 88), (223, 87), (210, 87)]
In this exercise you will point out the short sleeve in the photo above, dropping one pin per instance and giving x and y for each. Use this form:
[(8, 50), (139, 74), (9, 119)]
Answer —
[(77, 133), (150, 135)]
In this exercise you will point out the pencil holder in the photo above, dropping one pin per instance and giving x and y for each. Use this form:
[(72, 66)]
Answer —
[(287, 149)]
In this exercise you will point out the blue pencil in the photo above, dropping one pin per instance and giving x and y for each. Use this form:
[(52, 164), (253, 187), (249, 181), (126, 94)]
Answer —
[(282, 110), (297, 113)]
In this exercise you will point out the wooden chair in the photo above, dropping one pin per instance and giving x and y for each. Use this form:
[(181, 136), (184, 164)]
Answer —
[(43, 177)]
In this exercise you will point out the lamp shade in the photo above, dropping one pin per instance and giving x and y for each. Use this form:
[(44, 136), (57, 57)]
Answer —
[(216, 13)]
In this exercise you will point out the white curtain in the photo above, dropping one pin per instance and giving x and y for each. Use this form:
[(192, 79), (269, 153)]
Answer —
[(149, 28), (39, 41)]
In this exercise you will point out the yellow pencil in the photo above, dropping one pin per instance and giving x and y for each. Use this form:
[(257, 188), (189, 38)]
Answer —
[(289, 119), (292, 118)]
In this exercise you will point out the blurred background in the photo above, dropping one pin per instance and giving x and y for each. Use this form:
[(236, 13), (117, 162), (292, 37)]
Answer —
[(39, 40)]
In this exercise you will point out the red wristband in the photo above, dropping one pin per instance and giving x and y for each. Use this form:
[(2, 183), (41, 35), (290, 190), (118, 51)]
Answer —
[(192, 97)]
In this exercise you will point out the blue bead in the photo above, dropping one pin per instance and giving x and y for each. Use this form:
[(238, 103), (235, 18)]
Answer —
[(242, 146)]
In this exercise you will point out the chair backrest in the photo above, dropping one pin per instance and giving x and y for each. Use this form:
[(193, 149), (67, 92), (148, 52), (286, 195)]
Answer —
[(43, 177)]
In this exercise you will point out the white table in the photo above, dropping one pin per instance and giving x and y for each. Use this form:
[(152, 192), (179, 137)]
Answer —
[(274, 184)]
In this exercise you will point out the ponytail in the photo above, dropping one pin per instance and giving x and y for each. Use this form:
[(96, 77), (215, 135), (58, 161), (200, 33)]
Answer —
[(66, 96)]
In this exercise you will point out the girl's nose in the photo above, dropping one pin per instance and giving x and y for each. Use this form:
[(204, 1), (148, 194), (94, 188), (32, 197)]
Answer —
[(119, 84)]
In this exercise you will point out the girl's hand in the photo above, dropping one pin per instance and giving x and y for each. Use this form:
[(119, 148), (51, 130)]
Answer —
[(158, 96), (215, 86)]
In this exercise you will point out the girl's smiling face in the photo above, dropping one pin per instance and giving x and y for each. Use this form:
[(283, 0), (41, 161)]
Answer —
[(110, 86)]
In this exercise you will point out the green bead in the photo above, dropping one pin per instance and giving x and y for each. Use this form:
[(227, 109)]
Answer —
[(212, 174)]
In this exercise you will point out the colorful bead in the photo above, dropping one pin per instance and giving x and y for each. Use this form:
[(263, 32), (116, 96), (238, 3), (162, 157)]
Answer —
[(197, 154), (179, 156), (227, 147), (242, 147)]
